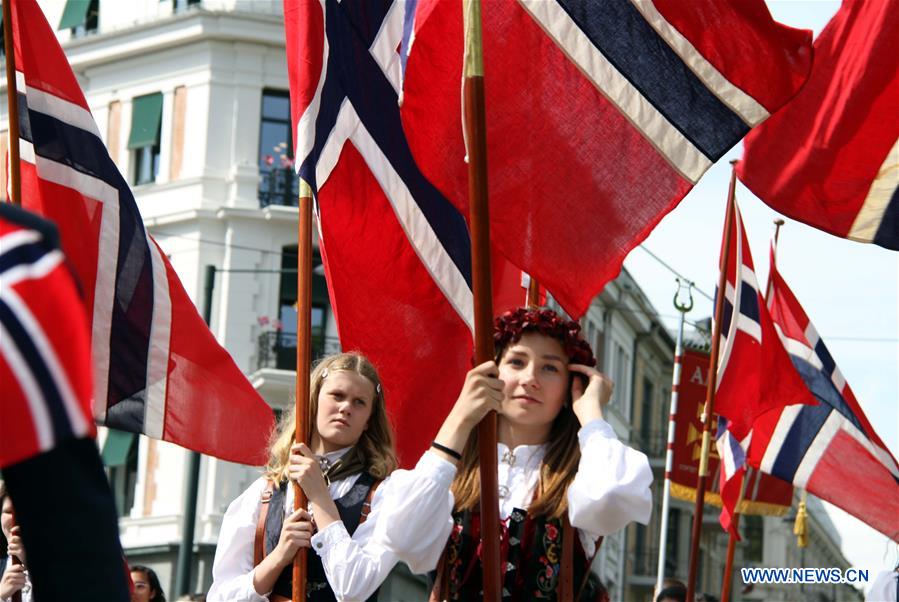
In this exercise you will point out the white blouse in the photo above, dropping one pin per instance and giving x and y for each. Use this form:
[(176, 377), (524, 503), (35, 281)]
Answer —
[(610, 490), (411, 515), (354, 566)]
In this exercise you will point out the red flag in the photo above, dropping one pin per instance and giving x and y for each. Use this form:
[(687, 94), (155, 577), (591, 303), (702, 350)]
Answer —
[(755, 374), (396, 252), (830, 448), (600, 117), (46, 426), (44, 361), (830, 157), (157, 368)]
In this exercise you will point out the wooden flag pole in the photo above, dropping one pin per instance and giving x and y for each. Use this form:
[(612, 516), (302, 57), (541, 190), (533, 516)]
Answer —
[(304, 361), (475, 122), (708, 408), (15, 186), (532, 300), (729, 562), (732, 542), (12, 99)]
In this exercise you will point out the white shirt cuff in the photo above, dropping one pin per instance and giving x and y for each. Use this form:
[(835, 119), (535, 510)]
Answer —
[(252, 594), (438, 469), (327, 538)]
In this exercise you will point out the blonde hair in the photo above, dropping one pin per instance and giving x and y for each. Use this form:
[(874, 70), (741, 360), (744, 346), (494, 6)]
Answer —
[(376, 442), (557, 470)]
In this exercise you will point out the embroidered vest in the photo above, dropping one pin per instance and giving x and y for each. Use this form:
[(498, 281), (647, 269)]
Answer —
[(530, 559), (353, 507)]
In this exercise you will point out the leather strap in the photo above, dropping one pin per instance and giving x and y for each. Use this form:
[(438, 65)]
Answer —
[(259, 539), (438, 592), (566, 578), (366, 506), (586, 578)]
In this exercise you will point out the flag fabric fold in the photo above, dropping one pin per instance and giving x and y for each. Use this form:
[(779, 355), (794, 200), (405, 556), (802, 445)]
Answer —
[(397, 253), (158, 370), (600, 117), (733, 469), (755, 375), (47, 426), (830, 157), (830, 449)]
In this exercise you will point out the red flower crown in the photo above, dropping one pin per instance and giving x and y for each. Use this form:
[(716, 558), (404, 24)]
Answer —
[(509, 327)]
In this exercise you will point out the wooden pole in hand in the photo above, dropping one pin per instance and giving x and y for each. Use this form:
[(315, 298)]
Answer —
[(476, 130), (708, 408), (12, 100), (304, 361), (15, 186)]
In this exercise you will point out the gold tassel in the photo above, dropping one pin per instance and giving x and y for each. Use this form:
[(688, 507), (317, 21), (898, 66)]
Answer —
[(800, 527)]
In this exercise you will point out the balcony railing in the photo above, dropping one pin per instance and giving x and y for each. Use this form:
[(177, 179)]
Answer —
[(279, 186), (275, 349)]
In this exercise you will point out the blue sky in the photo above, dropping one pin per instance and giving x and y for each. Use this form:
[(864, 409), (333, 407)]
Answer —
[(848, 289)]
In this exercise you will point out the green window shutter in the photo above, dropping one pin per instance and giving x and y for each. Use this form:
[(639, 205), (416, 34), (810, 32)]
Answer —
[(74, 14), (117, 448), (146, 119)]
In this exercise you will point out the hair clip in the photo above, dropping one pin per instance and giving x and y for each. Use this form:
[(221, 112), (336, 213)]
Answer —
[(324, 374)]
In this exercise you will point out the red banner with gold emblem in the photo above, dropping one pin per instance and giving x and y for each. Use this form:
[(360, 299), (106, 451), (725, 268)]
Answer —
[(763, 494)]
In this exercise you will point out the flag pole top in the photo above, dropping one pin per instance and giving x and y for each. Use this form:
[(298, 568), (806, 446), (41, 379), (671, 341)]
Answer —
[(777, 224), (683, 307)]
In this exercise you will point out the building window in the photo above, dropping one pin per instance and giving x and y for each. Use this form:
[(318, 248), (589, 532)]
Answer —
[(672, 542), (277, 348), (120, 458), (753, 534), (81, 16), (621, 374), (180, 6), (146, 122), (278, 184), (646, 413)]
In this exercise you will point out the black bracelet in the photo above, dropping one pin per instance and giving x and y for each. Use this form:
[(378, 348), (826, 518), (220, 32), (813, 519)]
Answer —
[(447, 450)]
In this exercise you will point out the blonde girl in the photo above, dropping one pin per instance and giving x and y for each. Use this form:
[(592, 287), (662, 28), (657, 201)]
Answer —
[(350, 453)]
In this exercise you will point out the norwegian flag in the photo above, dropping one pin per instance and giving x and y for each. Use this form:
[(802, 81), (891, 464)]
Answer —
[(396, 252), (44, 361), (829, 449), (47, 426), (755, 374), (733, 469), (157, 368), (829, 158), (601, 116)]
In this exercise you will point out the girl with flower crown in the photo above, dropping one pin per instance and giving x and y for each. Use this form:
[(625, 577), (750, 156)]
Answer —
[(350, 453), (565, 480)]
